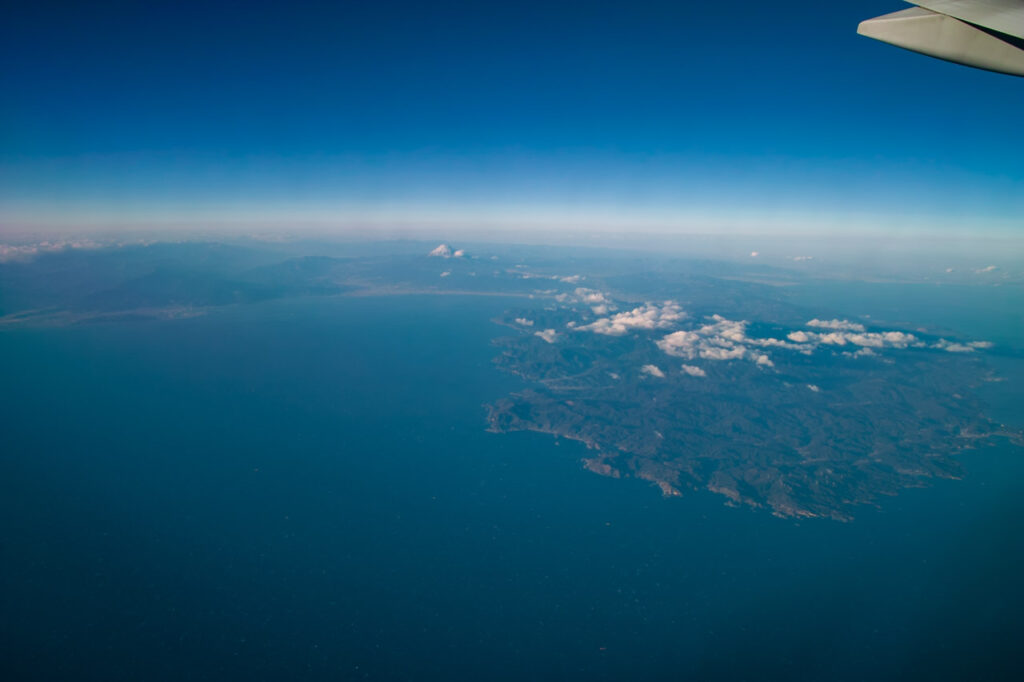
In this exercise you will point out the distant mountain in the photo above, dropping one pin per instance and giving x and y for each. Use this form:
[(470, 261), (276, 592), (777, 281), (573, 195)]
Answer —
[(446, 251)]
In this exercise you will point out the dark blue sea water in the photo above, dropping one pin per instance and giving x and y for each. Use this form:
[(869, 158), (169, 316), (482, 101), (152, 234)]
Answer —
[(305, 490)]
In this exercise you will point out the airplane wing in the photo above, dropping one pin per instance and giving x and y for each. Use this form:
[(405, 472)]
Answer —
[(986, 34)]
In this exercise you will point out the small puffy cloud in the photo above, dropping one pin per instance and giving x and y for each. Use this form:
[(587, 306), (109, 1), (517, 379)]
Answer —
[(600, 309), (548, 335), (524, 322), (846, 334), (813, 388), (958, 347), (441, 251), (754, 254), (765, 342), (446, 273), (839, 325), (952, 347), (721, 339), (459, 254), (690, 344), (694, 371), (590, 295), (722, 353), (987, 268), (25, 252), (571, 279), (649, 316), (870, 339), (653, 371), (799, 259), (9, 252)]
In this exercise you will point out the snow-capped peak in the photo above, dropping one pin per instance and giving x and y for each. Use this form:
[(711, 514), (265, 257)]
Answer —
[(445, 251)]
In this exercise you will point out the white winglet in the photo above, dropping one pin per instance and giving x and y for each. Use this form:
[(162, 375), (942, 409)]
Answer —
[(985, 34)]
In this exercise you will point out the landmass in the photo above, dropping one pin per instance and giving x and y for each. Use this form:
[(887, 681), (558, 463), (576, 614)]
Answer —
[(802, 420), (688, 373)]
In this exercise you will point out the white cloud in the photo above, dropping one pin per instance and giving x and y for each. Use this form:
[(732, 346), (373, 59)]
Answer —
[(459, 254), (598, 300), (590, 295), (813, 388), (852, 334), (441, 251), (839, 325), (24, 252), (722, 339), (754, 254), (957, 347), (722, 353), (653, 371), (548, 335), (571, 279), (649, 316), (801, 258), (446, 273), (870, 339), (779, 343), (523, 321), (681, 344), (987, 268)]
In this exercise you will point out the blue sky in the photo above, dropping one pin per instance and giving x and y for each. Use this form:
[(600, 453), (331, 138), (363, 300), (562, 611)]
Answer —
[(662, 116)]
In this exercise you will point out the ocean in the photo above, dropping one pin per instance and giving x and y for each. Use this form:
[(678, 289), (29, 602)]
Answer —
[(305, 489)]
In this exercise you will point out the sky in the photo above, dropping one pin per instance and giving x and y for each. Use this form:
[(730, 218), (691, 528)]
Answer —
[(666, 117)]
